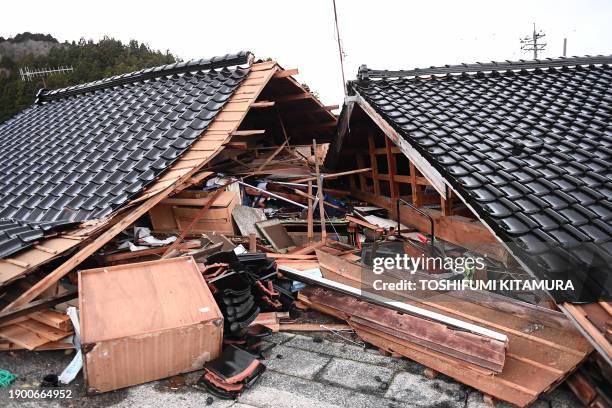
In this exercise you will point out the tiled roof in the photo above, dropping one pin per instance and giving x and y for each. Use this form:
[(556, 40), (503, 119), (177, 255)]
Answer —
[(15, 235), (529, 148), (81, 152)]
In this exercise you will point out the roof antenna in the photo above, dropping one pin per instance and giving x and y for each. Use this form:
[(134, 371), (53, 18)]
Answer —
[(531, 43), (28, 74), (340, 52)]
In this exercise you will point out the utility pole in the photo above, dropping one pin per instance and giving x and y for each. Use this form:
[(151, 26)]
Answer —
[(340, 50), (564, 47), (531, 43)]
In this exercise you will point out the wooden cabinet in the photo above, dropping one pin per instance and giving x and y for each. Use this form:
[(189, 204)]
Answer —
[(145, 321)]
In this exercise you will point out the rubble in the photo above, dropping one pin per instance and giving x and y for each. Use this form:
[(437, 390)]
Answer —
[(245, 235)]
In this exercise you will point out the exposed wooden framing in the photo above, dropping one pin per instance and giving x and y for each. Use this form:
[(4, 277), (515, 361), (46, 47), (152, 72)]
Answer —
[(334, 175), (402, 179), (446, 205), (457, 230), (282, 126), (373, 162), (248, 132), (319, 191), (272, 156), (393, 187), (433, 175), (416, 189), (286, 73)]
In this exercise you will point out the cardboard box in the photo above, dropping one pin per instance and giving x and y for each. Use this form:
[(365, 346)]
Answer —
[(145, 321)]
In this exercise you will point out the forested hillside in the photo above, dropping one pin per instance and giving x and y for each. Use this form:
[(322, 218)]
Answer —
[(91, 61)]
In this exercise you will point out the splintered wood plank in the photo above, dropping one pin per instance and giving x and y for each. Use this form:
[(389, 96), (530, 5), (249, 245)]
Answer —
[(54, 319), (48, 332), (476, 349), (22, 337), (263, 66)]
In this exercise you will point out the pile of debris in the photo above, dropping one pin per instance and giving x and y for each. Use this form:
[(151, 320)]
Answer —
[(249, 254)]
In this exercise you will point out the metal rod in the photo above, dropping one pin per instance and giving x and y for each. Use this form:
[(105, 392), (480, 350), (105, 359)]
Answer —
[(273, 195), (431, 221)]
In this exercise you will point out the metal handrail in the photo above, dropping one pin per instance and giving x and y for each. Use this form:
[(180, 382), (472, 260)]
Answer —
[(431, 220)]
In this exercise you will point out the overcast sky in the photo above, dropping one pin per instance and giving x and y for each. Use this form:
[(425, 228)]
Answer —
[(300, 34)]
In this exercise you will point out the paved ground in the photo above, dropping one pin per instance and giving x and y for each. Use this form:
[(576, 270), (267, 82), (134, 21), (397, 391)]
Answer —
[(302, 373)]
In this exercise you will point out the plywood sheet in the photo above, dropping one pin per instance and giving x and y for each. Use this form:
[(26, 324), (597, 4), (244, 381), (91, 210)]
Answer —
[(246, 217)]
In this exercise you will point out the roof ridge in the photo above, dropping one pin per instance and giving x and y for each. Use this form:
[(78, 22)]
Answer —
[(227, 60), (367, 73)]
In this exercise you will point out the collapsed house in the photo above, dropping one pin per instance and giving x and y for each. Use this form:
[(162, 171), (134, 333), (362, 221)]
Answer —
[(194, 162)]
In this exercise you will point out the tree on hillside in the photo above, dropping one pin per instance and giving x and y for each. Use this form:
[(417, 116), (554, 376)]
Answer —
[(91, 61)]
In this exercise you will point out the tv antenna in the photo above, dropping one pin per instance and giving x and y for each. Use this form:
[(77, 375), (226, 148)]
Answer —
[(28, 74), (531, 43)]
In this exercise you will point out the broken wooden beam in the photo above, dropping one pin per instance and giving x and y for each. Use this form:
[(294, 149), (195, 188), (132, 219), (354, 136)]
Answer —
[(37, 305), (123, 256), (293, 98), (262, 104), (248, 132), (238, 145), (285, 73)]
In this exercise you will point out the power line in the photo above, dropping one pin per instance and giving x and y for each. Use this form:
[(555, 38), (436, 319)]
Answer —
[(531, 43), (340, 52)]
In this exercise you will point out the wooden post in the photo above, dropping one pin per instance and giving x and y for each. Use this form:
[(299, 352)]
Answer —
[(319, 191), (416, 189), (373, 162), (252, 242), (310, 233), (447, 205), (362, 181), (391, 164)]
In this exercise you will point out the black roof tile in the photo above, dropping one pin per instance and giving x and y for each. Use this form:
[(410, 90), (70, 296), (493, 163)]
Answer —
[(81, 152), (539, 134)]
